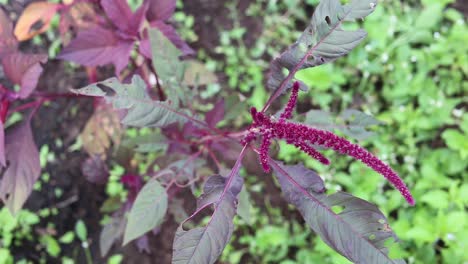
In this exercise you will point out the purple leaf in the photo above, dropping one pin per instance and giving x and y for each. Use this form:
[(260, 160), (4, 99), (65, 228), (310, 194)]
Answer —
[(137, 18), (359, 232), (118, 11), (121, 15), (205, 244), (161, 9), (142, 110), (8, 42), (2, 146), (216, 114), (171, 34), (95, 170), (23, 167), (98, 46), (147, 212), (323, 41), (24, 70)]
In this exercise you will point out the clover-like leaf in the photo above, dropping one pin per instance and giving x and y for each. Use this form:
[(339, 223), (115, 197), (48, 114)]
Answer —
[(142, 110), (147, 212), (205, 244), (359, 232)]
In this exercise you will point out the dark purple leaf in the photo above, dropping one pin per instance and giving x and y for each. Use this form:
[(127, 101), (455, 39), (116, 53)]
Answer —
[(137, 18), (95, 170), (23, 167), (359, 232), (118, 11), (171, 34), (2, 146), (323, 41), (8, 43), (24, 70), (161, 9), (111, 233), (216, 114), (98, 46), (205, 244)]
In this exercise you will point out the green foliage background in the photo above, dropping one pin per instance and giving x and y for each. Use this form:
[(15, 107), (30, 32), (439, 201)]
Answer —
[(411, 74)]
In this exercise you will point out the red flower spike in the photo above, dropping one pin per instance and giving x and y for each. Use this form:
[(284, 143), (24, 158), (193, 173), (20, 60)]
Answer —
[(264, 148), (312, 152), (287, 113), (303, 137)]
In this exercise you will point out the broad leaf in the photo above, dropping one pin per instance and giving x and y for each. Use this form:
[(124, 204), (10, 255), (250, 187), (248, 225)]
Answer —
[(166, 59), (357, 122), (358, 232), (216, 114), (203, 245), (23, 167), (35, 19), (24, 70), (98, 46), (110, 233), (147, 212), (8, 41), (352, 122), (102, 129), (161, 9), (142, 110), (121, 15), (323, 41), (118, 11)]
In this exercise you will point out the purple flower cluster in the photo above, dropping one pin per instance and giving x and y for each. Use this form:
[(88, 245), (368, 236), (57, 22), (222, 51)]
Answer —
[(304, 138)]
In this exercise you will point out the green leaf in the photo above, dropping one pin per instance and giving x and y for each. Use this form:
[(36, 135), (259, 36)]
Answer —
[(81, 231), (456, 141), (437, 199), (51, 245), (165, 57), (142, 110), (147, 212), (169, 67), (67, 238)]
